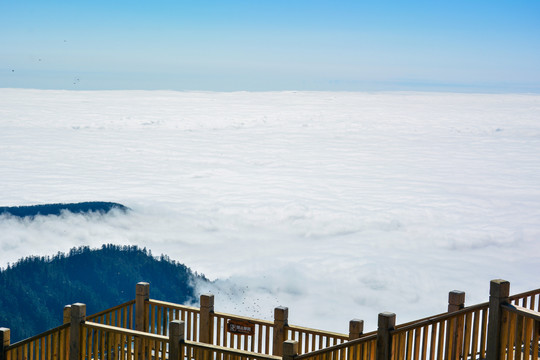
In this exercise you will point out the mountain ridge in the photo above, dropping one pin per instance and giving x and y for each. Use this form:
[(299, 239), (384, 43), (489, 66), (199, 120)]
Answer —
[(35, 289)]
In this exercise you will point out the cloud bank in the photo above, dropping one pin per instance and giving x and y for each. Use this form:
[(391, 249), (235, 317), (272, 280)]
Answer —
[(337, 205)]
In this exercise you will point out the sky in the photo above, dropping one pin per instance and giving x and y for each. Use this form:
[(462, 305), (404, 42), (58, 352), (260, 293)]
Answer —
[(464, 46)]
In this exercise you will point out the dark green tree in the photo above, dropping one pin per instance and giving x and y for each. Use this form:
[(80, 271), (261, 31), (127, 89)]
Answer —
[(34, 290)]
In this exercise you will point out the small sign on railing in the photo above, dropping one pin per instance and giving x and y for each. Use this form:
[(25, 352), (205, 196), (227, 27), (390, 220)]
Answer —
[(240, 327)]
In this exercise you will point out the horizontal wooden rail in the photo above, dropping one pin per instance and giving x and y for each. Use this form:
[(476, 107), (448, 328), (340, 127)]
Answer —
[(116, 330), (310, 340), (437, 318), (195, 350), (411, 324), (529, 299), (354, 349), (243, 318), (120, 316), (36, 337), (526, 294), (108, 311), (105, 342), (50, 345), (535, 315)]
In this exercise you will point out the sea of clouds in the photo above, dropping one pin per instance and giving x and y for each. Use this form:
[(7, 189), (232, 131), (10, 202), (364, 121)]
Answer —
[(337, 205)]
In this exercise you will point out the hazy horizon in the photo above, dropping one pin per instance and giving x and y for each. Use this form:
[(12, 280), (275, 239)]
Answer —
[(462, 46)]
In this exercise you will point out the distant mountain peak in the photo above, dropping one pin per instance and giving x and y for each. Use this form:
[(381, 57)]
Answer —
[(57, 209)]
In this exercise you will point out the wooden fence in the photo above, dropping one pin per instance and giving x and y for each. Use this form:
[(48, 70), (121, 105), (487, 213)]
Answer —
[(505, 328), (207, 326)]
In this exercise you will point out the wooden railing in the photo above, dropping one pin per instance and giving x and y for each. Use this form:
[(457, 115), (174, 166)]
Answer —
[(160, 313), (529, 299), (50, 345), (208, 326), (104, 342), (506, 328), (457, 335), (520, 331), (310, 340), (122, 316), (363, 348), (195, 350), (260, 341)]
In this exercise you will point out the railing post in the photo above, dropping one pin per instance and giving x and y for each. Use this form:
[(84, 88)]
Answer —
[(454, 342), (386, 323), (290, 349), (456, 300), (4, 342), (176, 338), (67, 314), (499, 291), (142, 294), (356, 328), (206, 321), (78, 316), (281, 319)]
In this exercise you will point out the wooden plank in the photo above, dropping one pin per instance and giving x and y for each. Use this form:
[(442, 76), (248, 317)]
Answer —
[(113, 318), (262, 329), (529, 323), (136, 347), (504, 335), (409, 349), (84, 331), (536, 333), (188, 323), (467, 337), (511, 336), (148, 344), (31, 350), (195, 322), (519, 336), (459, 333), (159, 327), (440, 346), (395, 344), (475, 330), (483, 334), (401, 348), (450, 339), (433, 341), (95, 341), (425, 339), (49, 347), (218, 331), (417, 337)]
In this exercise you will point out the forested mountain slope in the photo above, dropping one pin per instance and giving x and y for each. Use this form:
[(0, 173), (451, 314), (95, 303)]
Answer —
[(34, 290)]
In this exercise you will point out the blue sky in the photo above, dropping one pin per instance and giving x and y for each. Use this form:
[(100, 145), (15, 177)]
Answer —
[(261, 45)]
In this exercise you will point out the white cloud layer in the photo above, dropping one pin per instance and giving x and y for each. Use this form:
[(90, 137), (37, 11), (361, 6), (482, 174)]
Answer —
[(337, 205)]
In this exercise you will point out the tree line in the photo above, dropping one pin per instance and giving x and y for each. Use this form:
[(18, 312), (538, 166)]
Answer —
[(34, 290)]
